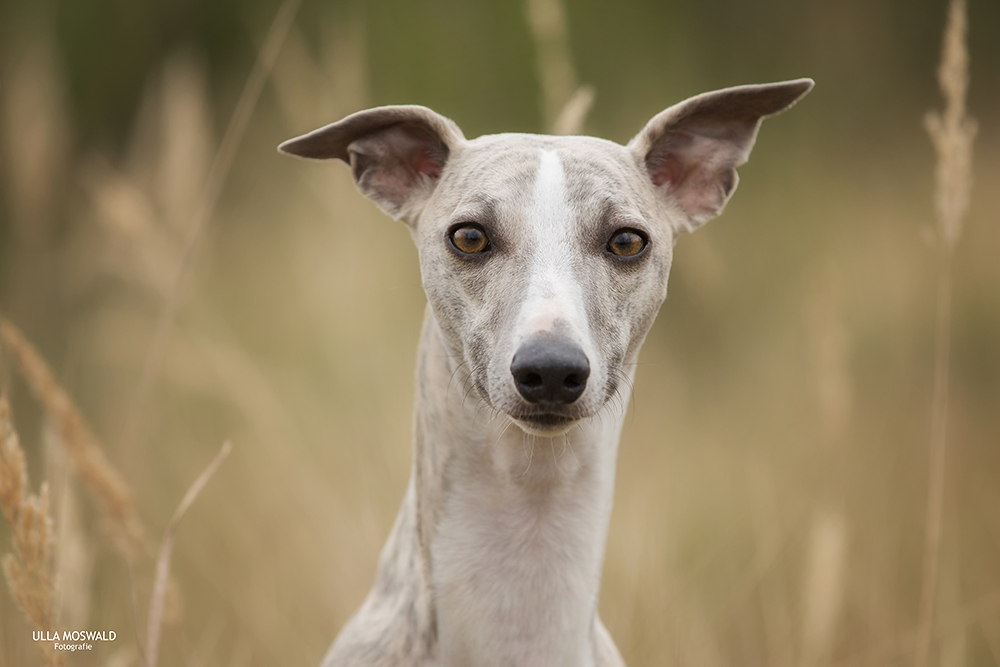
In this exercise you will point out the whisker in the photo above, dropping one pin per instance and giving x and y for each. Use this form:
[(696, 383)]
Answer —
[(570, 445), (472, 385), (480, 404), (504, 430), (453, 374), (631, 386), (530, 451), (631, 390), (555, 461)]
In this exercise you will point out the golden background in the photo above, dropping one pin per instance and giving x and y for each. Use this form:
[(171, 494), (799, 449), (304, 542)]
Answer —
[(773, 474)]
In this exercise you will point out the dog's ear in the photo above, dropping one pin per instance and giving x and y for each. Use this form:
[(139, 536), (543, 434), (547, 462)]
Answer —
[(396, 153), (692, 149)]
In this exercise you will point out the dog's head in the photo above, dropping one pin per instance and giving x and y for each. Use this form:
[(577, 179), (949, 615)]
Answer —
[(545, 259)]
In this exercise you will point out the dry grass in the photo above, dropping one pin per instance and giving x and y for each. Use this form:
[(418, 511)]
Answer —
[(769, 505), (104, 483), (160, 583), (75, 551), (129, 214), (207, 200), (823, 586), (30, 575), (564, 105), (952, 134), (29, 569)]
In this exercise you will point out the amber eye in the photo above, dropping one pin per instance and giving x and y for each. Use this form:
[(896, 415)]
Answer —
[(627, 243), (470, 239)]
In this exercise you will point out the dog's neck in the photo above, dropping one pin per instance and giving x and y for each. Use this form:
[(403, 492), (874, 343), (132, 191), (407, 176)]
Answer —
[(511, 527)]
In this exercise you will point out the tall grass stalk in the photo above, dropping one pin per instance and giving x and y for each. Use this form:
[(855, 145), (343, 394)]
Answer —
[(28, 570), (217, 175), (564, 105), (159, 596), (951, 133), (74, 554), (112, 495)]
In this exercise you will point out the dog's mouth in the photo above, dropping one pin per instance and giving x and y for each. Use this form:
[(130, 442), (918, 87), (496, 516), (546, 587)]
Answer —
[(545, 423), (547, 419)]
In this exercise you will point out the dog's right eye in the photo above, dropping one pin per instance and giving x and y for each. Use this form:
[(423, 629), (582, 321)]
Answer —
[(469, 238)]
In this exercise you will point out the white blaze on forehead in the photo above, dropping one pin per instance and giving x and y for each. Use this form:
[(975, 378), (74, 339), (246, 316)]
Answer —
[(554, 292)]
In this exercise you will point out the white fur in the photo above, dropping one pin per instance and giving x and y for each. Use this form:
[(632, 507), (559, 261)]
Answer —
[(554, 296), (518, 552)]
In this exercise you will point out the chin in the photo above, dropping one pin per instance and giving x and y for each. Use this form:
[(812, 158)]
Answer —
[(545, 425)]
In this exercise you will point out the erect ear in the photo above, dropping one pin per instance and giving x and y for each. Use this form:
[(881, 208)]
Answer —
[(692, 149), (396, 153)]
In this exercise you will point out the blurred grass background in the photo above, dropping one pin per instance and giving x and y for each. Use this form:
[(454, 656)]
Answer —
[(772, 478)]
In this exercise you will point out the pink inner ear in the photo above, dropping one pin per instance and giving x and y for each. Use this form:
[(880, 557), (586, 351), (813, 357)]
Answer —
[(424, 162), (668, 170), (694, 173)]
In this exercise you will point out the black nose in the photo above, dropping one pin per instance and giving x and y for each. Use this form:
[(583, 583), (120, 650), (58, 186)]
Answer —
[(550, 369)]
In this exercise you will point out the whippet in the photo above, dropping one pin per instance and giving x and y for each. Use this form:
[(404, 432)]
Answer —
[(544, 260)]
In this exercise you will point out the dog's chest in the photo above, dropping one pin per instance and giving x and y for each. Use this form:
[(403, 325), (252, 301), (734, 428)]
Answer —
[(515, 571)]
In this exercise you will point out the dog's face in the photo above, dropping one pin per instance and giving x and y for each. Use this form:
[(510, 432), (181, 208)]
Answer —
[(545, 259), (554, 250)]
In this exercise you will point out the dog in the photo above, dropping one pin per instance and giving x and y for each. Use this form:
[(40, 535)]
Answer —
[(545, 260)]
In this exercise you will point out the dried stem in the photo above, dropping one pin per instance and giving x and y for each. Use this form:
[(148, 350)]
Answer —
[(204, 212), (159, 595), (28, 570), (103, 482), (571, 118), (951, 133), (564, 105)]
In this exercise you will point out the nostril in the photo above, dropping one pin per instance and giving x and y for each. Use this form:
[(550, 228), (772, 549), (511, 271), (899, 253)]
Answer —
[(572, 381), (532, 380)]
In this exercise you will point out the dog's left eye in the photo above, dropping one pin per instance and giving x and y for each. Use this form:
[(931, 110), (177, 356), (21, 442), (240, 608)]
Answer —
[(627, 242), (470, 238)]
